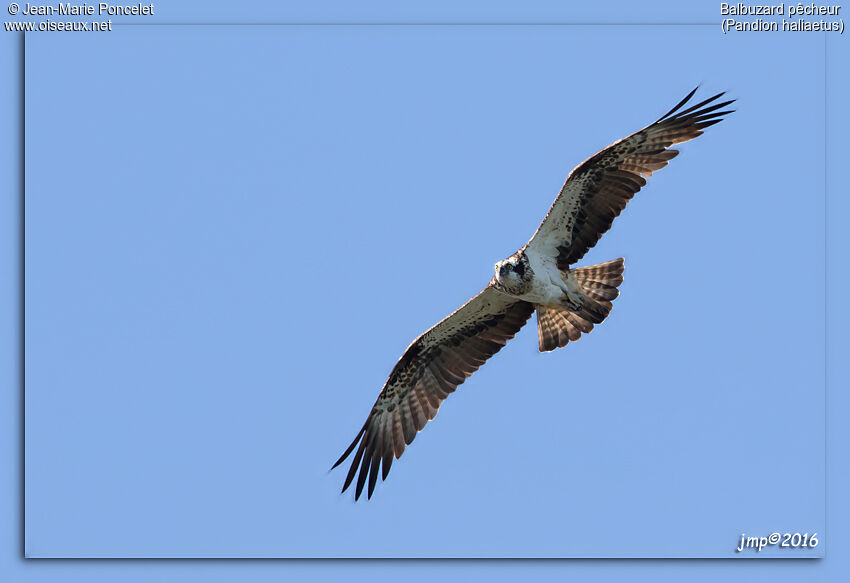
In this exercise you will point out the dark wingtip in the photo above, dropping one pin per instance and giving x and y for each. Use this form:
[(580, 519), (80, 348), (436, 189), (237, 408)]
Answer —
[(367, 444), (351, 447), (680, 104), (695, 110)]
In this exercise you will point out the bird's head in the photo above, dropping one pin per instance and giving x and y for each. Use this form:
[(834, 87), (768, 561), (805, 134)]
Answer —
[(513, 274)]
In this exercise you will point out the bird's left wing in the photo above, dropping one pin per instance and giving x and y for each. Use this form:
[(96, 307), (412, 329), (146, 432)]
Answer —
[(431, 368), (600, 187)]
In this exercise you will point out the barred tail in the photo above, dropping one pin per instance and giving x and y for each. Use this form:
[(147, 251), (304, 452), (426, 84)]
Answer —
[(557, 326)]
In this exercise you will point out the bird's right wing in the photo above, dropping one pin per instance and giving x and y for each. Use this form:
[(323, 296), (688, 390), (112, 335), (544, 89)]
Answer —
[(432, 367)]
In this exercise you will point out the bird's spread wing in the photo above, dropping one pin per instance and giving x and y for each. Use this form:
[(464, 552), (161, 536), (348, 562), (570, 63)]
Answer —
[(597, 190), (432, 367)]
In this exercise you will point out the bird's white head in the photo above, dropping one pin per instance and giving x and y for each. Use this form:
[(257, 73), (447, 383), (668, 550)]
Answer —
[(513, 274)]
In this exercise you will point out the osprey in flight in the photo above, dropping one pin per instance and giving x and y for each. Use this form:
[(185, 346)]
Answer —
[(540, 276)]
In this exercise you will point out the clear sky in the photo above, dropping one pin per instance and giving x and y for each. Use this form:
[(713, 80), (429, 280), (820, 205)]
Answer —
[(232, 234)]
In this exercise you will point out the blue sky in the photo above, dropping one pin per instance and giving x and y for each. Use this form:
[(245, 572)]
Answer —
[(204, 216)]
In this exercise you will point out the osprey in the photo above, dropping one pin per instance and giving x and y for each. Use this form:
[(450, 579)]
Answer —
[(539, 277)]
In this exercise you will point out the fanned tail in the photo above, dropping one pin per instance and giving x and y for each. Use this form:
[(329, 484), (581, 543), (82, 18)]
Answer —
[(558, 326)]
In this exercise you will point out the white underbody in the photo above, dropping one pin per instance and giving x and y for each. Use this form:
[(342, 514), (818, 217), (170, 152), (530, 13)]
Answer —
[(550, 286)]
